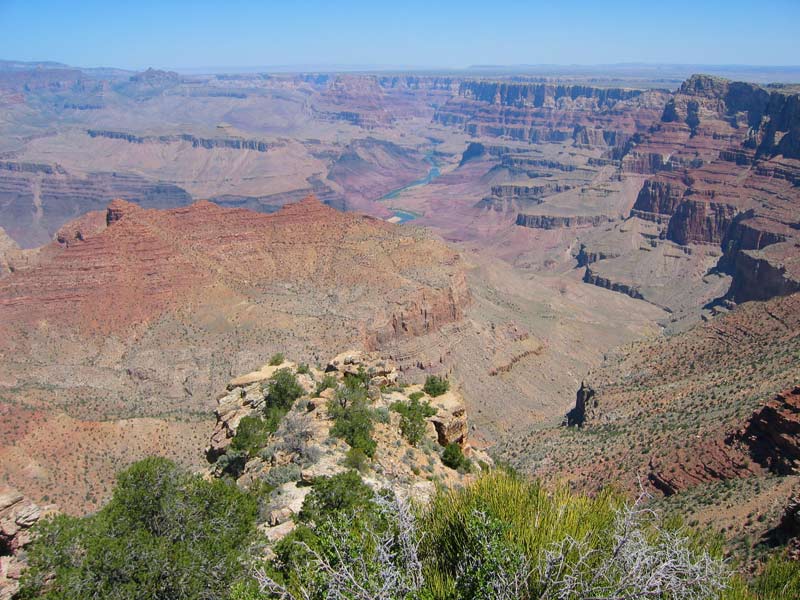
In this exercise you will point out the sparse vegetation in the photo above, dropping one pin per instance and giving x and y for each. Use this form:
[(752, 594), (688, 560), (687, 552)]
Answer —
[(353, 423), (412, 418), (501, 537), (251, 435), (435, 386), (454, 458), (276, 359)]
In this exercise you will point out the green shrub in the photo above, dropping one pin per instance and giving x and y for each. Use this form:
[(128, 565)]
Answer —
[(343, 492), (251, 435), (303, 369), (360, 379), (412, 418), (779, 579), (329, 381), (416, 395), (279, 475), (381, 415), (435, 386), (353, 423), (454, 458), (276, 359), (350, 393), (356, 459), (283, 389), (232, 463), (500, 537), (165, 534)]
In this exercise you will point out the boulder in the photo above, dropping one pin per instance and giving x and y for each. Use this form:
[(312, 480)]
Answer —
[(450, 419)]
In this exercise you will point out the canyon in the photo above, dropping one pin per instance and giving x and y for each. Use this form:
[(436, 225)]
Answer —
[(637, 240)]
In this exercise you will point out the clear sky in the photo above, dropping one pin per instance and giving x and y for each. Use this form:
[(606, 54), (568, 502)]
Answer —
[(427, 33)]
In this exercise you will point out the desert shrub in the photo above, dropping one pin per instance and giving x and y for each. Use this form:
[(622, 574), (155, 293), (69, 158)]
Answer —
[(279, 475), (283, 389), (303, 369), (232, 463), (354, 556), (276, 359), (359, 379), (354, 425), (412, 418), (381, 415), (281, 392), (350, 393), (251, 435), (343, 492), (435, 386), (454, 458), (165, 534), (328, 381), (294, 439), (416, 395), (779, 579), (498, 538), (356, 459)]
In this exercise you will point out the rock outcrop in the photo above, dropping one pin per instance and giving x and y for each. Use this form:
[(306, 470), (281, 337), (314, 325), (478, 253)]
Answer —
[(302, 448), (615, 286), (544, 112), (770, 440), (176, 301), (17, 515), (584, 401), (724, 162), (560, 222), (196, 142), (772, 434)]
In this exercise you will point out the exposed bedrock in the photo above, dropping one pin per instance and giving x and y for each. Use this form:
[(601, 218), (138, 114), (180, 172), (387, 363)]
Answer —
[(425, 313), (512, 161), (540, 94), (528, 191), (764, 274), (770, 439), (34, 205), (658, 198), (585, 399), (614, 286), (696, 221), (773, 433), (560, 222), (586, 257), (196, 142)]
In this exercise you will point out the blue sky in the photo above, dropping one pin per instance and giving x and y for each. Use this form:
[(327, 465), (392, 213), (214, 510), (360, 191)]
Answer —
[(183, 34)]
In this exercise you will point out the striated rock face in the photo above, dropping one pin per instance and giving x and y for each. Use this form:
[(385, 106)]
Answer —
[(37, 200), (543, 112), (624, 288), (772, 434), (658, 199), (700, 222), (303, 449), (176, 301), (166, 258), (541, 94), (17, 515), (770, 440), (724, 165), (196, 142), (763, 274), (559, 222)]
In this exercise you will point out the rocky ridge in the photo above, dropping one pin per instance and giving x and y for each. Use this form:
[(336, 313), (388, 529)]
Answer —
[(723, 165), (302, 449), (17, 515)]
